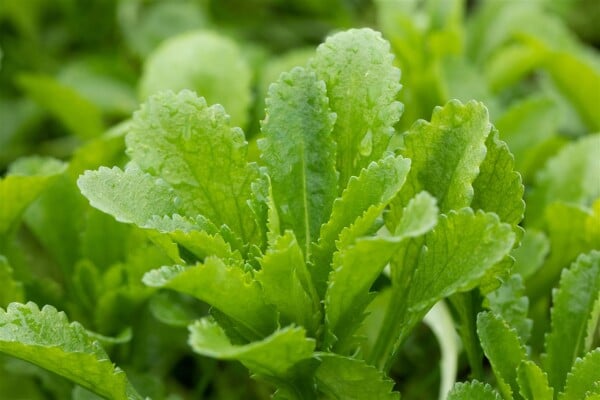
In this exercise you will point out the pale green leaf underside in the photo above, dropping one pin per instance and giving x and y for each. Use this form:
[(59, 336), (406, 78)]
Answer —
[(194, 148), (583, 378), (299, 152), (446, 154), (287, 284), (272, 356), (131, 196), (473, 390), (227, 288), (45, 338), (533, 382), (503, 349), (362, 84), (573, 305), (25, 181), (340, 377)]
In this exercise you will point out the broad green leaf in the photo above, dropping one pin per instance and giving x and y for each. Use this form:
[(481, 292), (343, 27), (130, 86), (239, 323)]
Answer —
[(287, 284), (455, 257), (583, 378), (498, 186), (206, 62), (460, 249), (340, 377), (445, 156), (12, 290), (46, 338), (356, 267), (25, 181), (272, 356), (533, 382), (366, 195), (227, 288), (510, 302), (80, 116), (473, 390), (178, 138), (299, 152), (503, 349), (362, 84), (131, 196), (571, 177), (573, 306)]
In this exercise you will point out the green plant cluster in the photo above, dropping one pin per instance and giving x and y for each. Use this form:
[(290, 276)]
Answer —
[(264, 199)]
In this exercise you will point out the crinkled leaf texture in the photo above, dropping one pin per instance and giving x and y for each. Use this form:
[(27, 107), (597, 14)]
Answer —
[(340, 377), (272, 356), (45, 338), (473, 390), (583, 378)]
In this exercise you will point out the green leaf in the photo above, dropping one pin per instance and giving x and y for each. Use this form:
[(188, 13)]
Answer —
[(227, 288), (356, 267), (530, 256), (454, 257), (299, 153), (340, 377), (498, 186), (131, 196), (25, 181), (46, 338), (509, 302), (366, 197), (12, 290), (503, 349), (571, 177), (272, 356), (461, 248), (287, 284), (573, 306), (178, 138), (533, 382), (473, 390), (362, 84), (446, 154), (583, 378), (207, 63), (80, 116)]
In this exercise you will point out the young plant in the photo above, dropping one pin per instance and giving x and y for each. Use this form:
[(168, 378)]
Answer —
[(287, 252)]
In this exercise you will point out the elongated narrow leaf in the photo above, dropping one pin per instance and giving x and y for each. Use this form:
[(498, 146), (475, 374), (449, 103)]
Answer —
[(287, 284), (498, 186), (347, 378), (130, 196), (372, 190), (196, 151), (45, 338), (446, 154), (272, 356), (357, 266), (583, 378), (229, 289), (502, 347), (25, 181), (473, 390), (573, 306), (362, 84), (533, 382), (299, 153)]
